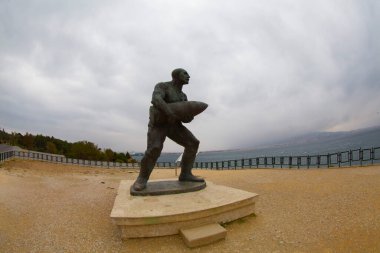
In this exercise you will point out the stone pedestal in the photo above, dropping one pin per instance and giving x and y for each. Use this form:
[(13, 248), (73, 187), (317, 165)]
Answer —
[(149, 216), (168, 187)]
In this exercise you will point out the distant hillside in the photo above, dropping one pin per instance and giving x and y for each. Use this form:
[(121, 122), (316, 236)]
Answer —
[(320, 143), (366, 137), (79, 150)]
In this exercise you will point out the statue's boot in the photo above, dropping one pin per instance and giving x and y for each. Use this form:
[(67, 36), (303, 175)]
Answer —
[(189, 177), (187, 162), (147, 166), (187, 165), (140, 184)]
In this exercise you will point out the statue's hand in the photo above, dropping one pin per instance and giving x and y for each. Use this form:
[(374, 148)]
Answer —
[(188, 119)]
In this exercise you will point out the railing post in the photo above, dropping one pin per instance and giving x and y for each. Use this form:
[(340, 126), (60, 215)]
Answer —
[(372, 155), (328, 160), (281, 161), (350, 157), (257, 162), (339, 158), (361, 156), (290, 161)]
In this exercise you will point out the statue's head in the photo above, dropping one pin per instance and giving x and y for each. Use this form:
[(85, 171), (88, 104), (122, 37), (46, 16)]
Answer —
[(180, 76)]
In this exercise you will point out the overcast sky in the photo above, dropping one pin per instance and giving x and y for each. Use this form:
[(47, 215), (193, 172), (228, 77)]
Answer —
[(85, 70)]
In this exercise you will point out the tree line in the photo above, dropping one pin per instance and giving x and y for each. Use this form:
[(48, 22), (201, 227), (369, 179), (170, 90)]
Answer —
[(78, 150)]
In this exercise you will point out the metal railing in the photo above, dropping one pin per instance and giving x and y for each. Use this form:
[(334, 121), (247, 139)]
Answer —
[(30, 155), (357, 157), (6, 155)]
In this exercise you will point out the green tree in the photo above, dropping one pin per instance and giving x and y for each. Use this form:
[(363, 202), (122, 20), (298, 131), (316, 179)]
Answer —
[(109, 155), (51, 148), (27, 141), (85, 150), (40, 143), (79, 150)]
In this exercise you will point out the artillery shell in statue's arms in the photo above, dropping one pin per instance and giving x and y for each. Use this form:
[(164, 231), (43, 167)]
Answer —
[(187, 108)]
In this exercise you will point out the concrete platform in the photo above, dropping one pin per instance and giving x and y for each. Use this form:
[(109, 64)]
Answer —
[(149, 216)]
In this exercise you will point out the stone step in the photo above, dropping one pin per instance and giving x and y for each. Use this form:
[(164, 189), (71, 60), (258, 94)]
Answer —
[(199, 236)]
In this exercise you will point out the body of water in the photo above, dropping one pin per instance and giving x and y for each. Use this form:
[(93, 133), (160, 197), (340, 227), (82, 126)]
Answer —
[(313, 144)]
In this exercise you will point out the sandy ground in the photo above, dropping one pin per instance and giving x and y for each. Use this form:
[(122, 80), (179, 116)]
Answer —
[(57, 208)]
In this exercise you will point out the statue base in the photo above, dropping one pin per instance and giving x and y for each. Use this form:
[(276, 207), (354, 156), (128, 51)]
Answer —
[(150, 216), (166, 187)]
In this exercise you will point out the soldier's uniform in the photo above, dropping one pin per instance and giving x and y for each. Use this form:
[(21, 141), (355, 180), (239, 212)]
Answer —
[(159, 128)]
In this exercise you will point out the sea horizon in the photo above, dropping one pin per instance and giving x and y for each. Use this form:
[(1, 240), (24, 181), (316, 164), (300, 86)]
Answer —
[(311, 144)]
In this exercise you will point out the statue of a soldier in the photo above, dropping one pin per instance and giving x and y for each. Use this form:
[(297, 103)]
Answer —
[(163, 122)]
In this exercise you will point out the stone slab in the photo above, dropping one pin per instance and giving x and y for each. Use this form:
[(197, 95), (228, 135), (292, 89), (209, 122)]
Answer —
[(149, 216), (199, 236), (165, 187)]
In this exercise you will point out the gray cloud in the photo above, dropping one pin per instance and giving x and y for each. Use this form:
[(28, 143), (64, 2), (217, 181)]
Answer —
[(86, 69)]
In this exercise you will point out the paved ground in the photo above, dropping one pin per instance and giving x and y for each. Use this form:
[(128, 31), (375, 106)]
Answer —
[(56, 208), (6, 147)]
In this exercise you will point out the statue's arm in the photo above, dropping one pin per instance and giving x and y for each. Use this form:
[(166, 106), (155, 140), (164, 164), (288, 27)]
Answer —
[(158, 99), (159, 102)]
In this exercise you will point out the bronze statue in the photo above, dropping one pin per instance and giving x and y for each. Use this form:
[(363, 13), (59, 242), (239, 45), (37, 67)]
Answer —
[(166, 115)]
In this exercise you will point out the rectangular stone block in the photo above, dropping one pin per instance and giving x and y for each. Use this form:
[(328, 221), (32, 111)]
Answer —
[(199, 236)]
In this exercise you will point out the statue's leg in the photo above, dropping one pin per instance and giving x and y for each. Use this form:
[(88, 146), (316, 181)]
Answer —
[(155, 142), (181, 135)]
